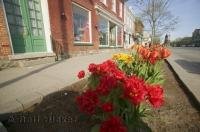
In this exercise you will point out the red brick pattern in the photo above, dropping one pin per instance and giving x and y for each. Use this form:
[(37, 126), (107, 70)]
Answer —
[(61, 21), (5, 48)]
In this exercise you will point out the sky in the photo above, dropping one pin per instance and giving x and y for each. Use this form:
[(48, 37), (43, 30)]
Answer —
[(188, 12)]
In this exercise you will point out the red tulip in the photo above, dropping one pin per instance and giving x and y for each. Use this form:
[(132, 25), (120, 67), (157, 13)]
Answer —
[(107, 107), (81, 74)]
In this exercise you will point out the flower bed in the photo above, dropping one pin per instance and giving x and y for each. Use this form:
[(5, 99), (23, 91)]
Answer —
[(119, 89)]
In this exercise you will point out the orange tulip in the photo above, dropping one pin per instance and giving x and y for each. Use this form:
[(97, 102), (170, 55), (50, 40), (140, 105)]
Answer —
[(154, 54), (145, 53), (165, 53)]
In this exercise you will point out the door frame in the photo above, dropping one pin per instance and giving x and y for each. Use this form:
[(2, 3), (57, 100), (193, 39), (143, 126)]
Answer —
[(46, 23)]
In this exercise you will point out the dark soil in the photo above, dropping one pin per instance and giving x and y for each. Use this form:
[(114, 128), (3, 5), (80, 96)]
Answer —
[(58, 112), (181, 111)]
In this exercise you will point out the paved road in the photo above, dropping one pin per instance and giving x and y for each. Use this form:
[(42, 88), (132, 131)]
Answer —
[(189, 58), (186, 63)]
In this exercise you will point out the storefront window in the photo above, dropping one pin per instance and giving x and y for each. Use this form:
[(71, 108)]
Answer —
[(103, 31), (112, 35), (81, 19), (119, 36)]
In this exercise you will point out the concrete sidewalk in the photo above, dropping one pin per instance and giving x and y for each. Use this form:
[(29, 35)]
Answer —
[(20, 88), (190, 79)]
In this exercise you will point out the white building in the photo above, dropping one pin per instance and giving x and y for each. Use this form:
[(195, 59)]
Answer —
[(146, 38), (129, 27)]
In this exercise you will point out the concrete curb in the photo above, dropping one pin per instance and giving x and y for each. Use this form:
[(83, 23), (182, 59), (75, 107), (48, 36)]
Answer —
[(187, 88)]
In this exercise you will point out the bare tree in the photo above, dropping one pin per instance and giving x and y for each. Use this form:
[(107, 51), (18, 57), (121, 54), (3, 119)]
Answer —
[(156, 14)]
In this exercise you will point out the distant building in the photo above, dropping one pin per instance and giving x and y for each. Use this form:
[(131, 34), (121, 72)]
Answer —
[(146, 38), (139, 28), (129, 27), (196, 37)]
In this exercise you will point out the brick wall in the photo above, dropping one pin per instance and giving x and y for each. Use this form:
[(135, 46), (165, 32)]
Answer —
[(5, 49), (62, 25), (61, 21)]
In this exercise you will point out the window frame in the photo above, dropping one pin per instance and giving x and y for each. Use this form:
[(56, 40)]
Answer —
[(120, 10), (104, 2), (107, 39), (121, 27), (90, 25), (114, 6)]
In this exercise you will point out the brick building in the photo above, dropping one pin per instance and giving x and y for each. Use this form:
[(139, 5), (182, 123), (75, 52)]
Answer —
[(38, 28), (5, 48), (196, 37), (86, 26)]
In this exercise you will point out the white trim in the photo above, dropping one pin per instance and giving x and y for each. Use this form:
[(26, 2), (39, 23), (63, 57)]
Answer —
[(90, 24), (104, 2), (19, 56), (7, 27), (121, 45), (107, 37), (116, 41), (46, 23), (108, 15), (108, 33), (114, 6), (78, 42), (120, 9), (104, 46)]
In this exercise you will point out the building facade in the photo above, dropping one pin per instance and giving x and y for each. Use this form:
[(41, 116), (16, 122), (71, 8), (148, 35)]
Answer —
[(26, 29), (5, 48), (139, 29), (86, 26), (110, 15), (129, 27), (146, 38), (196, 37), (34, 28)]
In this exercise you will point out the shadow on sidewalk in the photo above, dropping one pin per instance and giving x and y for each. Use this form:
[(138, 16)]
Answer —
[(190, 66), (28, 74), (57, 112)]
